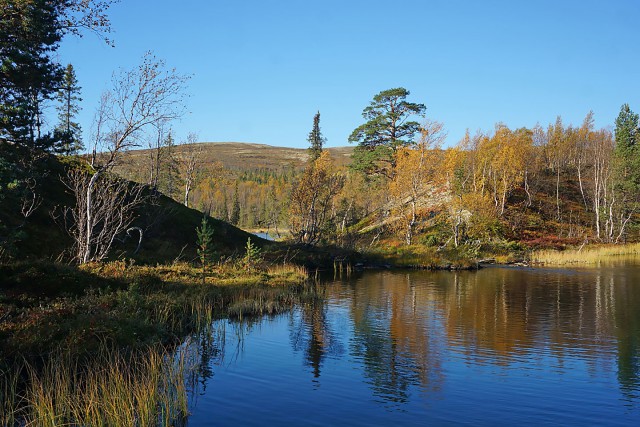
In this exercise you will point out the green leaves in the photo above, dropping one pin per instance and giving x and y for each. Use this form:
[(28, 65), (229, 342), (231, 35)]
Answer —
[(205, 240), (316, 140), (387, 126)]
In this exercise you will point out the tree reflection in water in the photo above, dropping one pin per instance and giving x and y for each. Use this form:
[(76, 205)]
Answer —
[(311, 333), (402, 333)]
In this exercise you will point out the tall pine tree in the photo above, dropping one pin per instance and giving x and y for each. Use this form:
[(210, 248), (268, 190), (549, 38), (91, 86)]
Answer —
[(627, 162), (68, 97), (387, 128), (316, 140)]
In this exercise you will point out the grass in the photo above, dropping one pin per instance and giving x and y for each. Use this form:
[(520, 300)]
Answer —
[(88, 345), (586, 255), (421, 256), (111, 388), (43, 306)]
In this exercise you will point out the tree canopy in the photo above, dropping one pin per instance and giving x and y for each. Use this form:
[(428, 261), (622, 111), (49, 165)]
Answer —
[(387, 128), (30, 34), (315, 138)]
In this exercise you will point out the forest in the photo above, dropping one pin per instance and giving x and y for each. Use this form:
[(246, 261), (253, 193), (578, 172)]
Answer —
[(553, 186), (548, 186)]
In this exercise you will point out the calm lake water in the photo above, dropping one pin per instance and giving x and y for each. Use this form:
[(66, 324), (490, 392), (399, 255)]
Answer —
[(501, 346)]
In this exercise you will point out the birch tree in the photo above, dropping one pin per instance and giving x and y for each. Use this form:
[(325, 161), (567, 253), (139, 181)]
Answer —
[(415, 174), (139, 99), (190, 159), (311, 200)]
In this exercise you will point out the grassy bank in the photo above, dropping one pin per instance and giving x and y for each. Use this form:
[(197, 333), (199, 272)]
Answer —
[(43, 306), (99, 344), (111, 388), (587, 255), (449, 257), (420, 256)]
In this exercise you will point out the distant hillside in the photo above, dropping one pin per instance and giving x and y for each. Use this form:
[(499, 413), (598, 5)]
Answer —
[(253, 179), (243, 156)]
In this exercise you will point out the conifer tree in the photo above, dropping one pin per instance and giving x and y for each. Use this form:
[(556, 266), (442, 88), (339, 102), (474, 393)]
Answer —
[(316, 140), (387, 128), (235, 208), (204, 242), (68, 96), (627, 164), (30, 34)]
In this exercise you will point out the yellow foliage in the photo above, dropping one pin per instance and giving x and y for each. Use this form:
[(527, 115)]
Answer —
[(311, 199)]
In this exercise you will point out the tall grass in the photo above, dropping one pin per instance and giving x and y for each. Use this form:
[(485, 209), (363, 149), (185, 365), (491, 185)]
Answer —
[(125, 383), (111, 389), (10, 400), (585, 255)]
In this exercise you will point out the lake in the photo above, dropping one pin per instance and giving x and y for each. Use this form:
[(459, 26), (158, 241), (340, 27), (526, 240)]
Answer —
[(500, 346)]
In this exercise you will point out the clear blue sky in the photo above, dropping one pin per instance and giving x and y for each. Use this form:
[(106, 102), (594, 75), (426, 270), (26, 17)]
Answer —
[(261, 69)]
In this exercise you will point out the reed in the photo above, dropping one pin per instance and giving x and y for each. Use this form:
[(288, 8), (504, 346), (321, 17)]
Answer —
[(114, 388), (584, 255), (10, 400), (107, 376)]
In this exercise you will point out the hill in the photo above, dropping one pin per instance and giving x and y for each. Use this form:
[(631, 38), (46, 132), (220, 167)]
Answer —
[(169, 227), (239, 156), (256, 179)]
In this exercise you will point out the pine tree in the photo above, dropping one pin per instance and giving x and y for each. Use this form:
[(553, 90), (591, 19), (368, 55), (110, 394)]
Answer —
[(387, 128), (68, 96), (316, 140), (235, 208), (627, 164), (205, 250)]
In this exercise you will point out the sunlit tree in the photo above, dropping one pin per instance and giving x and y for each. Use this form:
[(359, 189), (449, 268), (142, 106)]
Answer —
[(387, 128)]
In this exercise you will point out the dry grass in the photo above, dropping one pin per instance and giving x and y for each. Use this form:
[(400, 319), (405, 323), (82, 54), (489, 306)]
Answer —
[(586, 255), (112, 389), (128, 384)]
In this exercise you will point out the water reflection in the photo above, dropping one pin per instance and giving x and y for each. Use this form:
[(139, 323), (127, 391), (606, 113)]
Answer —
[(312, 334), (408, 339), (405, 323), (396, 335)]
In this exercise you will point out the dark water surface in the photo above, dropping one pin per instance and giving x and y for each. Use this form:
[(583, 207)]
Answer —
[(501, 346)]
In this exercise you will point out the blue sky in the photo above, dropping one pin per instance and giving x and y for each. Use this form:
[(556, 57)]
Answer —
[(261, 69)]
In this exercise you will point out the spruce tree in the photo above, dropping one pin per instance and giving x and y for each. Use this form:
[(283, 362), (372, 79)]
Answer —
[(316, 140), (627, 160), (30, 34), (205, 250), (235, 208), (68, 97)]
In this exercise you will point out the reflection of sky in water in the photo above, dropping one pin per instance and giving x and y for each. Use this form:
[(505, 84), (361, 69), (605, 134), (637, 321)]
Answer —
[(499, 346)]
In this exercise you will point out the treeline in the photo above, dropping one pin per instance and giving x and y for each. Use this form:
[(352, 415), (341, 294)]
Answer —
[(568, 181), (535, 185), (541, 186)]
